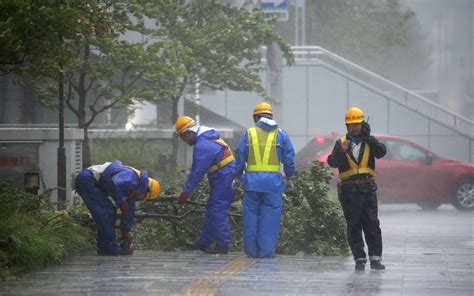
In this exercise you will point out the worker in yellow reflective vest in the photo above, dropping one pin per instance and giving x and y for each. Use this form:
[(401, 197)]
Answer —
[(354, 155), (213, 157), (261, 150)]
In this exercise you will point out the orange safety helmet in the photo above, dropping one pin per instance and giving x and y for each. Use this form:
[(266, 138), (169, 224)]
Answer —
[(262, 108), (354, 115), (153, 189), (183, 123)]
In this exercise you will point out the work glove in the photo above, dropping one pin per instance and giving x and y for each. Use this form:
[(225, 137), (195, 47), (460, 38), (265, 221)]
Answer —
[(127, 246), (365, 130), (289, 184), (124, 207), (183, 197), (236, 183)]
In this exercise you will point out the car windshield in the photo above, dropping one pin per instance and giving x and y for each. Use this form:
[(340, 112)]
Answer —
[(315, 148)]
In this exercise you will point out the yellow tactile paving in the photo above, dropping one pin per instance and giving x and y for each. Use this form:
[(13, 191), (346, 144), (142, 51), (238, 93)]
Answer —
[(210, 284)]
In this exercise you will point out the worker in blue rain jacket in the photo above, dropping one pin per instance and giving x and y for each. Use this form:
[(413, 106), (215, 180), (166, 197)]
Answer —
[(211, 156), (261, 150), (109, 186)]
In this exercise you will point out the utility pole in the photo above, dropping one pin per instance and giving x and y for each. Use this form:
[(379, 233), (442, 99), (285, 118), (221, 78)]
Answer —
[(61, 150), (197, 99), (469, 86), (274, 78), (61, 161), (300, 22)]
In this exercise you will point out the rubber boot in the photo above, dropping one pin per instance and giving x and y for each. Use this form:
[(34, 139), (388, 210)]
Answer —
[(217, 250), (196, 246), (377, 265), (360, 265)]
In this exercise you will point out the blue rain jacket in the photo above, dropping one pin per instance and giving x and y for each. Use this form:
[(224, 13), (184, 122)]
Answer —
[(266, 181), (207, 153), (118, 183)]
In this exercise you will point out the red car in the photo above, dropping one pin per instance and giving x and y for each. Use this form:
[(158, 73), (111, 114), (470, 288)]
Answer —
[(408, 173)]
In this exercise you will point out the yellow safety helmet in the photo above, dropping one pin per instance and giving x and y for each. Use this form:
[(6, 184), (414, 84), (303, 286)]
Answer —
[(262, 108), (183, 124), (153, 189), (354, 115)]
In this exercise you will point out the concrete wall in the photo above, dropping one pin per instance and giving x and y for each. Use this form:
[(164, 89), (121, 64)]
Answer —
[(315, 98), (163, 135), (44, 143)]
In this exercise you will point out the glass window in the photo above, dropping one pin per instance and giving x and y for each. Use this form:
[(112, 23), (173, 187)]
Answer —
[(403, 151)]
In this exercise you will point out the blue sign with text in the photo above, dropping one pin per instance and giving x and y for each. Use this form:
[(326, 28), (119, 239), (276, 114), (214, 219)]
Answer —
[(269, 5)]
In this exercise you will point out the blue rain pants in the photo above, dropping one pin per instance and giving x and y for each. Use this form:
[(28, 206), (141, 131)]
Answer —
[(262, 212), (216, 226), (102, 210)]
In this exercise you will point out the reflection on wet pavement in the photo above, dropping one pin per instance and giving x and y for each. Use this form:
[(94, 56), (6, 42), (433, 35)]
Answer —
[(426, 253)]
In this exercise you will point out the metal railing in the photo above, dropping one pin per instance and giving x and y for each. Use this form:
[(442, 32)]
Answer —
[(402, 95)]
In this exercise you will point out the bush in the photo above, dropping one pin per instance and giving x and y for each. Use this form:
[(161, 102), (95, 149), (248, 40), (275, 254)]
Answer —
[(32, 235), (311, 222), (164, 225), (144, 154)]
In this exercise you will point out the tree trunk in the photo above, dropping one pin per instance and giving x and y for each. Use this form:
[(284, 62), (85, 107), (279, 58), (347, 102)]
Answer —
[(174, 140), (28, 104), (81, 120)]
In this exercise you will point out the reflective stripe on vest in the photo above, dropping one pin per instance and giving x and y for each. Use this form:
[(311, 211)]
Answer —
[(262, 142), (226, 158), (354, 169), (133, 169)]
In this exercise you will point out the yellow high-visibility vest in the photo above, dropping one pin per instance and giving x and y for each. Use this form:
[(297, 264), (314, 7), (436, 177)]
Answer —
[(226, 158), (354, 169), (138, 172), (263, 156)]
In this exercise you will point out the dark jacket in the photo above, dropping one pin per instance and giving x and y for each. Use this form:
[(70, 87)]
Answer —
[(338, 159)]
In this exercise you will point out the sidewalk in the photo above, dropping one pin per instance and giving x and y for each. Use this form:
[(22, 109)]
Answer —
[(426, 253)]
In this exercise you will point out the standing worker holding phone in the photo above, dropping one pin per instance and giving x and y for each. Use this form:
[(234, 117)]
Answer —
[(354, 155)]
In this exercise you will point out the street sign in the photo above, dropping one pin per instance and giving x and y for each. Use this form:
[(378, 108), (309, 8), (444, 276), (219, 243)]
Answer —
[(274, 5), (278, 8)]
